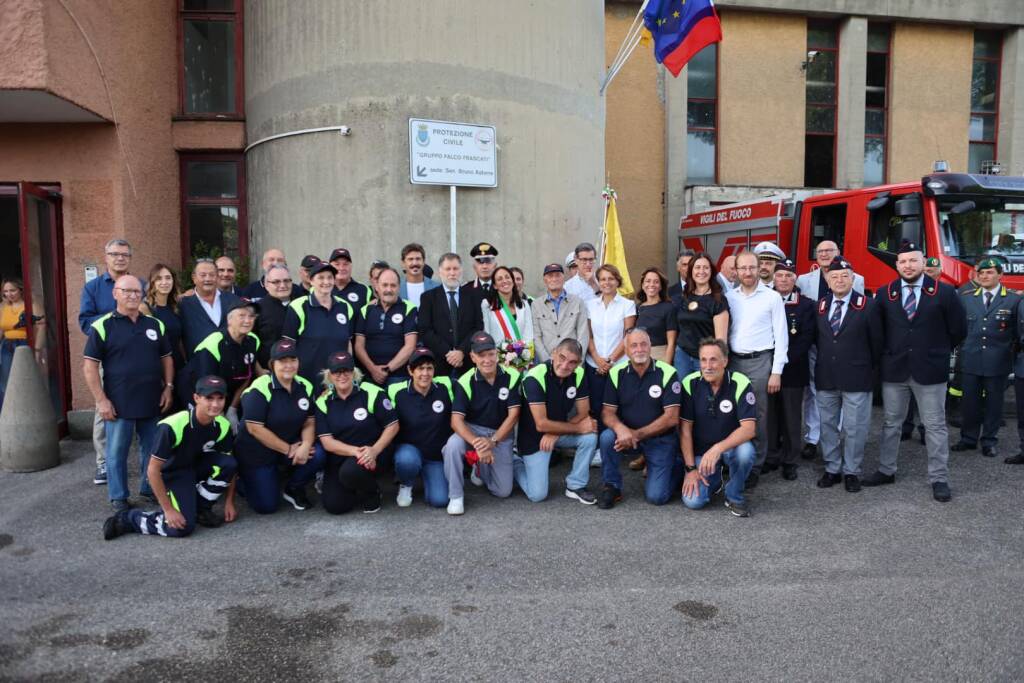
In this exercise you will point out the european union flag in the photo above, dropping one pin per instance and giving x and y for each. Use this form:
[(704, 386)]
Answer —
[(681, 29)]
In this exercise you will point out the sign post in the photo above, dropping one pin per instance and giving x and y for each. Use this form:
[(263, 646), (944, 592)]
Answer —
[(452, 154)]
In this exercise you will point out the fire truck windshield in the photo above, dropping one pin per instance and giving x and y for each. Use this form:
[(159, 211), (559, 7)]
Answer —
[(978, 226)]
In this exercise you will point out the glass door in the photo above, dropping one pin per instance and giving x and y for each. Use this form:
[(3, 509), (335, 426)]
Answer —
[(42, 266)]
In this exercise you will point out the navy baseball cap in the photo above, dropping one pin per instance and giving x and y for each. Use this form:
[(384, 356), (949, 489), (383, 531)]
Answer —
[(210, 385), (340, 252), (481, 342), (322, 266), (554, 268), (309, 260), (341, 360), (421, 355), (284, 348)]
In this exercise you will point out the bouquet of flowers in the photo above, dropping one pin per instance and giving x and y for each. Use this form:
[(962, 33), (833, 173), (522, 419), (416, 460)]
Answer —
[(517, 354)]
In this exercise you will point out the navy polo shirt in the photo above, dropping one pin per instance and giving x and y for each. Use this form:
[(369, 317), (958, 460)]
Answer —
[(542, 386), (220, 355), (181, 440), (385, 331), (640, 400), (318, 331), (716, 415), (284, 412), (355, 293), (358, 420), (485, 404), (133, 374), (424, 421)]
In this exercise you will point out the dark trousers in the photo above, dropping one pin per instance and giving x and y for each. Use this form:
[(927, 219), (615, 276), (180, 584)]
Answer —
[(982, 411), (1018, 391), (595, 384), (785, 425), (190, 490), (346, 484), (263, 482)]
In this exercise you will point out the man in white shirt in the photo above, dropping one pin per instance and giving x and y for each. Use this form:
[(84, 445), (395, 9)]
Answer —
[(758, 344), (727, 273), (583, 284), (815, 287), (414, 282)]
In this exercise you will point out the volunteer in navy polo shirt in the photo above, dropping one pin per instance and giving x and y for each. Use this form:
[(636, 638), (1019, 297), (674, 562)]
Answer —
[(484, 415), (230, 354), (355, 293), (424, 407), (278, 432), (190, 469), (386, 332), (556, 413), (320, 323), (355, 423), (718, 421), (641, 409), (137, 383)]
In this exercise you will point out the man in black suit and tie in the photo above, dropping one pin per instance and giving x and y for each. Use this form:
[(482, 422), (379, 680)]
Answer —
[(849, 340), (448, 318), (922, 322)]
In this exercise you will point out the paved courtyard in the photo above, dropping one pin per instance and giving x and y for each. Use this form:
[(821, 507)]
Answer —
[(816, 585)]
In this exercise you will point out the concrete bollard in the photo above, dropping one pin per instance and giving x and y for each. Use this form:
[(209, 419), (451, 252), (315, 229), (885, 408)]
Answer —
[(28, 427)]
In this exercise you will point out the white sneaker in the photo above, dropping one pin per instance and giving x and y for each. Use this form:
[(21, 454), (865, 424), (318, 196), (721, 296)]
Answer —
[(404, 498), (474, 476), (455, 506), (596, 460)]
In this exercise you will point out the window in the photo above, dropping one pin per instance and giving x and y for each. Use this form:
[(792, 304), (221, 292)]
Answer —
[(702, 117), (213, 218), (876, 104), (822, 94), (211, 58), (887, 228), (988, 48), (828, 223)]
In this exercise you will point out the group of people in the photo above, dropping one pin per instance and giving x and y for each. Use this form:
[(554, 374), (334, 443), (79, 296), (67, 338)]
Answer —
[(705, 386)]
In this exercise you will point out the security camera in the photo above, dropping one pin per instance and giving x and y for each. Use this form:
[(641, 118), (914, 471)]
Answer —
[(811, 54), (345, 130)]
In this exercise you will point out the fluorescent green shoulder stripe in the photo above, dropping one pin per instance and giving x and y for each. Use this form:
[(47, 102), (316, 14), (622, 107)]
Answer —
[(395, 388), (742, 382), (514, 377), (409, 308), (688, 381), (667, 372), (321, 401), (467, 382), (98, 324), (306, 384), (163, 330), (363, 310), (446, 382), (224, 425), (253, 335), (177, 423), (262, 385), (351, 311), (580, 374), (300, 310), (613, 374), (211, 344), (373, 392), (369, 292), (540, 374)]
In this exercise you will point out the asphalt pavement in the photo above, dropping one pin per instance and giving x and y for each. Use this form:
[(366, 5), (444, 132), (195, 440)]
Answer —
[(816, 585)]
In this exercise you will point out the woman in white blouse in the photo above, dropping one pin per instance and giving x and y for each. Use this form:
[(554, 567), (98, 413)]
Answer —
[(611, 314), (506, 314)]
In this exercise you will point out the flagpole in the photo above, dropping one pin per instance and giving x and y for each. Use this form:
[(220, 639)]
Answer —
[(632, 39)]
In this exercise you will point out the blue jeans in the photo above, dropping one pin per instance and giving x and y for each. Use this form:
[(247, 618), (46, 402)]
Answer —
[(740, 461), (664, 465), (263, 486), (685, 363), (531, 471), (409, 464), (119, 440)]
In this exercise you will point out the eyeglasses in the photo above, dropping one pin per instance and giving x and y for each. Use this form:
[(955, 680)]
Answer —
[(285, 281), (118, 254), (133, 293), (580, 259), (822, 252)]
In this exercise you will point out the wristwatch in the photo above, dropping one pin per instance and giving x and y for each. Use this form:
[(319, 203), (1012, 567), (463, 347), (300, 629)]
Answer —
[(689, 468)]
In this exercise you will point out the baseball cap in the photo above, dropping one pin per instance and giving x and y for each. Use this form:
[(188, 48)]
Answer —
[(321, 267), (421, 355), (340, 252), (309, 260), (481, 342), (554, 268), (340, 360), (243, 303), (284, 348), (210, 385)]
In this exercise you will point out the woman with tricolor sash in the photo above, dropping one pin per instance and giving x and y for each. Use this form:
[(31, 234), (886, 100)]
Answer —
[(508, 319)]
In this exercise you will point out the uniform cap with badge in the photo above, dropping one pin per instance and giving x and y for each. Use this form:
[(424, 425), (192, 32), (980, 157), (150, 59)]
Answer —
[(340, 360), (769, 250), (990, 263), (209, 385), (838, 263), (786, 265), (481, 342), (483, 251), (932, 262), (284, 348)]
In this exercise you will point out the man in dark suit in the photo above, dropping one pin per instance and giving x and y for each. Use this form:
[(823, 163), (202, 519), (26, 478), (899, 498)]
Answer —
[(849, 342), (448, 318), (922, 322), (206, 311), (785, 408)]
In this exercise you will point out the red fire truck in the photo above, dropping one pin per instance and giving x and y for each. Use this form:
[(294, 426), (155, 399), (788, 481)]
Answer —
[(957, 217)]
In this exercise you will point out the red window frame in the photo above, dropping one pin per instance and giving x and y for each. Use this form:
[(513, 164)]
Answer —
[(705, 100), (885, 107), (832, 26), (232, 15), (994, 115), (187, 202)]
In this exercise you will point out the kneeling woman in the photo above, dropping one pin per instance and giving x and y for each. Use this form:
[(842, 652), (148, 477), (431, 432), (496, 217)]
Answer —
[(424, 407), (278, 432), (354, 423)]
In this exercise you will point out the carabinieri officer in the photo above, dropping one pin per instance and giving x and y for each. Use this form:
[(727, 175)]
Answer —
[(354, 424), (986, 356), (716, 426), (278, 432), (551, 392), (424, 407), (641, 409), (189, 469), (484, 414), (320, 323)]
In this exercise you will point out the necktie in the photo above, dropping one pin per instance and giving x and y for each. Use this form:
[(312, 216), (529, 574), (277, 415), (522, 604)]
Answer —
[(910, 305), (988, 299), (453, 312), (837, 317)]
